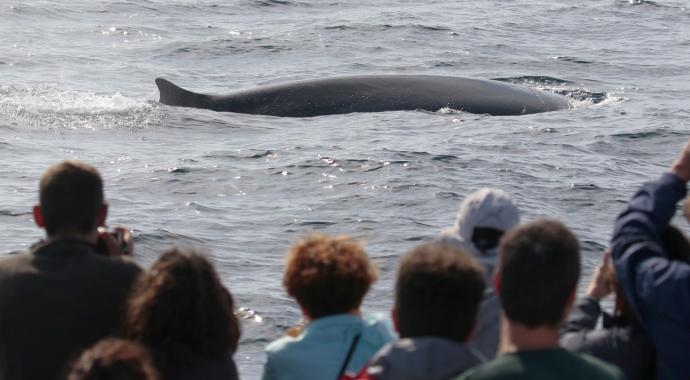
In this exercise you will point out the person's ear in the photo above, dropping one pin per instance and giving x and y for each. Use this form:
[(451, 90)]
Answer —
[(38, 216), (470, 334), (569, 304), (305, 313), (102, 215), (496, 278), (394, 318), (571, 299)]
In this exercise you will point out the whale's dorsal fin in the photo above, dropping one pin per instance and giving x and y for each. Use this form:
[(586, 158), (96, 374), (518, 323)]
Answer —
[(173, 95)]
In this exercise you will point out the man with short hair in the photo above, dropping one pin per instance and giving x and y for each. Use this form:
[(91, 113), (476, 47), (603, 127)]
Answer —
[(656, 285), (63, 295), (536, 281), (438, 291)]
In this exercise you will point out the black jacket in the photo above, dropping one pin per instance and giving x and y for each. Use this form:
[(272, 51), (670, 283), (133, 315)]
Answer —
[(621, 343), (55, 301)]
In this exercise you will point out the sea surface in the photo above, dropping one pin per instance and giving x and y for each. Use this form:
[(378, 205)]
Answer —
[(77, 82)]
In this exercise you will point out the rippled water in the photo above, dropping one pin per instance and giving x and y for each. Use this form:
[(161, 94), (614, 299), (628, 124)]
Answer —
[(77, 82)]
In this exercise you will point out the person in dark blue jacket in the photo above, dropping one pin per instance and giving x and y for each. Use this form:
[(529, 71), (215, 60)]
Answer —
[(657, 287)]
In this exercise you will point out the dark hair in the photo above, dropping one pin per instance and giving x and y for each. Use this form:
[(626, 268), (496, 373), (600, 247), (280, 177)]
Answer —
[(438, 291), (182, 312), (71, 196), (539, 269), (328, 275), (676, 244), (114, 359)]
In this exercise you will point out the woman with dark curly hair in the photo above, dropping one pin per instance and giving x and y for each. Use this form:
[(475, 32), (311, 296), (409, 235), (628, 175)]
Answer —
[(180, 310), (328, 277)]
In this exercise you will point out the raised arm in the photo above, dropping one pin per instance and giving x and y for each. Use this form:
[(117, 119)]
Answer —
[(658, 288)]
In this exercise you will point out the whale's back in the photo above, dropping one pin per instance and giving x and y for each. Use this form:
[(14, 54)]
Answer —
[(372, 93)]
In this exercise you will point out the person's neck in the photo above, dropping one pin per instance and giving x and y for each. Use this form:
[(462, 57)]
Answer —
[(308, 319), (91, 237), (524, 338)]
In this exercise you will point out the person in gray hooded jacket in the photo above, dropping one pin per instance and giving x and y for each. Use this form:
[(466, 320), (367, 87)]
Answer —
[(437, 296), (484, 216)]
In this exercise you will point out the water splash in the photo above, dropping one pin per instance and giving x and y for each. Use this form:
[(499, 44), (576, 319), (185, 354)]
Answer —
[(52, 107), (579, 96)]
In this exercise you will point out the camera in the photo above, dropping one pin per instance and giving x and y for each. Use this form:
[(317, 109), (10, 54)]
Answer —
[(119, 238)]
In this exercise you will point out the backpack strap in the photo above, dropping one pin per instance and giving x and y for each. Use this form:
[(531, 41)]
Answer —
[(353, 345)]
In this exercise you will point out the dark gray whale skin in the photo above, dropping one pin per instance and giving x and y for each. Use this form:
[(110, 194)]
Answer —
[(372, 93)]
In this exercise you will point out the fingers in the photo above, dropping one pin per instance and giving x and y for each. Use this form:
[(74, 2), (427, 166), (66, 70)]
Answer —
[(600, 285), (117, 242), (681, 167), (606, 259), (109, 243), (126, 240)]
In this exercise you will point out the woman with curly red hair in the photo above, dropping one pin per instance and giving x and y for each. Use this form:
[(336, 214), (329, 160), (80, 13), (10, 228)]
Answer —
[(328, 277)]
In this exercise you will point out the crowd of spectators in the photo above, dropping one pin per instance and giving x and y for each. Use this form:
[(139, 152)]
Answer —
[(489, 298)]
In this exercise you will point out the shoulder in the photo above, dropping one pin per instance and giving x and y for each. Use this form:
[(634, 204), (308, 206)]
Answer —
[(279, 346), (122, 270), (598, 369), (15, 264), (14, 258), (503, 366), (378, 329), (124, 264), (554, 364)]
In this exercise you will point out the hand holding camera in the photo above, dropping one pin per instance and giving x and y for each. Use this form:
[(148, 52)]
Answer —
[(601, 283), (115, 242)]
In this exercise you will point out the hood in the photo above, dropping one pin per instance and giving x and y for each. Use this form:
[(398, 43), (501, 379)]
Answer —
[(424, 358), (489, 208)]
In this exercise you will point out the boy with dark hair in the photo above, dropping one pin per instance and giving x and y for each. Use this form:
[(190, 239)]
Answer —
[(71, 199), (62, 295), (536, 281), (438, 291)]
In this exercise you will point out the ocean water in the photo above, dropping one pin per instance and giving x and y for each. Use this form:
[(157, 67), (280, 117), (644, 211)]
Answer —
[(76, 81)]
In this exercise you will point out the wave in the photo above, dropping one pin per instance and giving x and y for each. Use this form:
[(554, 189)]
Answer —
[(640, 2), (535, 80), (276, 3), (374, 27), (47, 106)]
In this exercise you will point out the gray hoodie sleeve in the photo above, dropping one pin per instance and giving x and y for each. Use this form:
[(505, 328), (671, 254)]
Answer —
[(581, 321)]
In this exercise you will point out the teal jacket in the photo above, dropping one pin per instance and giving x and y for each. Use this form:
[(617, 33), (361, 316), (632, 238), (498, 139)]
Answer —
[(320, 351)]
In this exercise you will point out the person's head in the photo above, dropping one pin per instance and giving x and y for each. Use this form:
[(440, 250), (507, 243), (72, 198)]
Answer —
[(180, 310), (437, 292), (114, 359), (328, 275), (71, 200), (538, 273), (484, 216)]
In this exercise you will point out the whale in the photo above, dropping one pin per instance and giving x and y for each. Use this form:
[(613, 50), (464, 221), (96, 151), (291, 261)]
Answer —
[(371, 93)]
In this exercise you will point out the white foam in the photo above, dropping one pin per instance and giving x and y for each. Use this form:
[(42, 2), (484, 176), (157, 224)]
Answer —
[(57, 108), (450, 111)]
